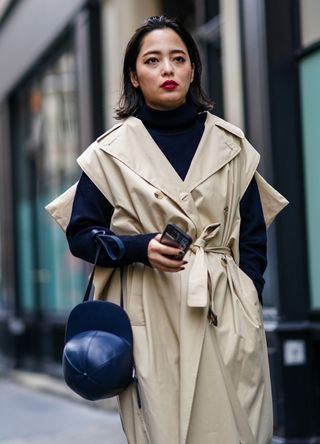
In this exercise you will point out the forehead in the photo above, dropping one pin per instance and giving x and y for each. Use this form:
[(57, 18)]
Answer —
[(161, 40)]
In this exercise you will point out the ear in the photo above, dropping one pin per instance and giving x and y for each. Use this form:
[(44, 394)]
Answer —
[(192, 72), (134, 79)]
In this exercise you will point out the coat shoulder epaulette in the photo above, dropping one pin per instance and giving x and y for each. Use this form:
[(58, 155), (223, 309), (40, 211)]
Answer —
[(233, 129), (104, 137)]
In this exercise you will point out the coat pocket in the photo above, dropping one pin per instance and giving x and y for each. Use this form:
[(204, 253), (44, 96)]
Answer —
[(134, 294), (247, 299)]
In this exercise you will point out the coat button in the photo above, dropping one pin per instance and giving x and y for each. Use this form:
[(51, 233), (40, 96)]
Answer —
[(224, 261), (159, 194)]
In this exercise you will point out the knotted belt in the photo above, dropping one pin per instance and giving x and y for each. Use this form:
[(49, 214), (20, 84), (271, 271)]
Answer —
[(199, 277)]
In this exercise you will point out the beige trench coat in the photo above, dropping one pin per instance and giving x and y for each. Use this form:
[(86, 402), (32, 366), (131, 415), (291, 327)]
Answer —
[(199, 383)]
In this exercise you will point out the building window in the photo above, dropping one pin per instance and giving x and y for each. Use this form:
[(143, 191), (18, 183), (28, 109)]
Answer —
[(309, 69), (309, 74), (45, 139), (309, 21), (208, 36)]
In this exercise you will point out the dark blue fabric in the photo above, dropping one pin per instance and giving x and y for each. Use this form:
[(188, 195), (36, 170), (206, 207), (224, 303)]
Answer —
[(91, 210), (175, 132), (253, 237)]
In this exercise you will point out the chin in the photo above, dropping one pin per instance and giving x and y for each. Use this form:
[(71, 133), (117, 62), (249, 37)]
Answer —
[(175, 104), (172, 104), (167, 104)]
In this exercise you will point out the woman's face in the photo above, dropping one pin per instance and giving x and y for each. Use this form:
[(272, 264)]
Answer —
[(163, 70)]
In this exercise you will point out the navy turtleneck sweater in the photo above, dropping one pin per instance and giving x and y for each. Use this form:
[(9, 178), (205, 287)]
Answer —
[(177, 133)]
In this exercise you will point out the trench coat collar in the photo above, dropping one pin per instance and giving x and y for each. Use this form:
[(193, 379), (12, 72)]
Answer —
[(134, 146)]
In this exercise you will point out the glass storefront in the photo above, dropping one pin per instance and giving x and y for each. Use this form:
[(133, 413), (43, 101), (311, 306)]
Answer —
[(45, 138), (309, 68), (309, 22), (309, 74)]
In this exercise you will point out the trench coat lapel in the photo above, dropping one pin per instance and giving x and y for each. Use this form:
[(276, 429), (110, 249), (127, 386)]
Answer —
[(214, 152), (145, 158)]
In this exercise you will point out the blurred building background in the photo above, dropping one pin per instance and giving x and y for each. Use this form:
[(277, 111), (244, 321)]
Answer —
[(59, 80)]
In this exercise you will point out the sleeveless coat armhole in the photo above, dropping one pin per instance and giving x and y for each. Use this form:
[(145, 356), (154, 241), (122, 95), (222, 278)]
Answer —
[(61, 207), (271, 200)]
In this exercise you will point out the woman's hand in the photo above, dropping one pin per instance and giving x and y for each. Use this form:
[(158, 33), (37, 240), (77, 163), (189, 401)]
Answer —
[(159, 256)]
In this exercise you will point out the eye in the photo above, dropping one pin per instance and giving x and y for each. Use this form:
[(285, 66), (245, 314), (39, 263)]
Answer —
[(151, 61), (179, 59)]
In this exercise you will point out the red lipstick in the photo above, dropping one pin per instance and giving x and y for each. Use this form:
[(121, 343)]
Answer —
[(169, 84)]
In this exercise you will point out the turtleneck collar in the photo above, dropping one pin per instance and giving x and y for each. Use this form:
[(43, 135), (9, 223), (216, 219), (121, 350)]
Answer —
[(178, 118)]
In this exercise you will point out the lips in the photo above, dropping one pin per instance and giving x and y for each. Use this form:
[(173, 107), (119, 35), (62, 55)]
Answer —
[(169, 84)]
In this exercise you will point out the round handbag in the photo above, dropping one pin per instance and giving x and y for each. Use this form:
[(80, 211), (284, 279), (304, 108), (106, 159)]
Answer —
[(98, 353)]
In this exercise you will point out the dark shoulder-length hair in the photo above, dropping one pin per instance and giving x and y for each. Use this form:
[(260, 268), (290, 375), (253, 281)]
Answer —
[(131, 98)]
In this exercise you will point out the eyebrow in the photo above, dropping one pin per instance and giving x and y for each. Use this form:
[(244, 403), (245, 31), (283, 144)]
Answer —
[(156, 51)]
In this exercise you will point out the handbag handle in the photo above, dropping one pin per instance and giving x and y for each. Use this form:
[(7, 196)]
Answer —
[(104, 240)]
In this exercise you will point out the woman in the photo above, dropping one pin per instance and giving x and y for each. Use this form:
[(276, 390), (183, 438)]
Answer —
[(199, 343)]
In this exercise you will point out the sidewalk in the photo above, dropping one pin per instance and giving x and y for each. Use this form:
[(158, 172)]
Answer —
[(56, 386), (37, 409)]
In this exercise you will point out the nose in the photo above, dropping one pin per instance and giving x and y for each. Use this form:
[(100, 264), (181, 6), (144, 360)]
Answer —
[(167, 68)]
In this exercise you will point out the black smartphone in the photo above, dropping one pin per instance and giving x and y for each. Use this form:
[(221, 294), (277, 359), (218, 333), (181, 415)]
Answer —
[(175, 237)]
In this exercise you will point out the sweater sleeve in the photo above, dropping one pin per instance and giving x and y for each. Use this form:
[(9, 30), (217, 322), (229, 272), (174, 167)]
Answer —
[(253, 238), (91, 210)]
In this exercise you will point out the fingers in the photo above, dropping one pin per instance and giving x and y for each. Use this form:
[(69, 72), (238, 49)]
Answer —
[(169, 265), (159, 256), (160, 248)]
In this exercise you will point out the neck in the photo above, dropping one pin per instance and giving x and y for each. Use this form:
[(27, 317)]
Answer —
[(183, 116)]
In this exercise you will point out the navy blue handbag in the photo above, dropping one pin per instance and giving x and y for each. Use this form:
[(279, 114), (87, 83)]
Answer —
[(98, 353)]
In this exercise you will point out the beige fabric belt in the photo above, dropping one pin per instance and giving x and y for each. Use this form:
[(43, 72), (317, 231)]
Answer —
[(199, 274)]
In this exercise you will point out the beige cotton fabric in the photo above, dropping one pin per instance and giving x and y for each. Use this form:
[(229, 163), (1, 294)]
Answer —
[(200, 383)]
